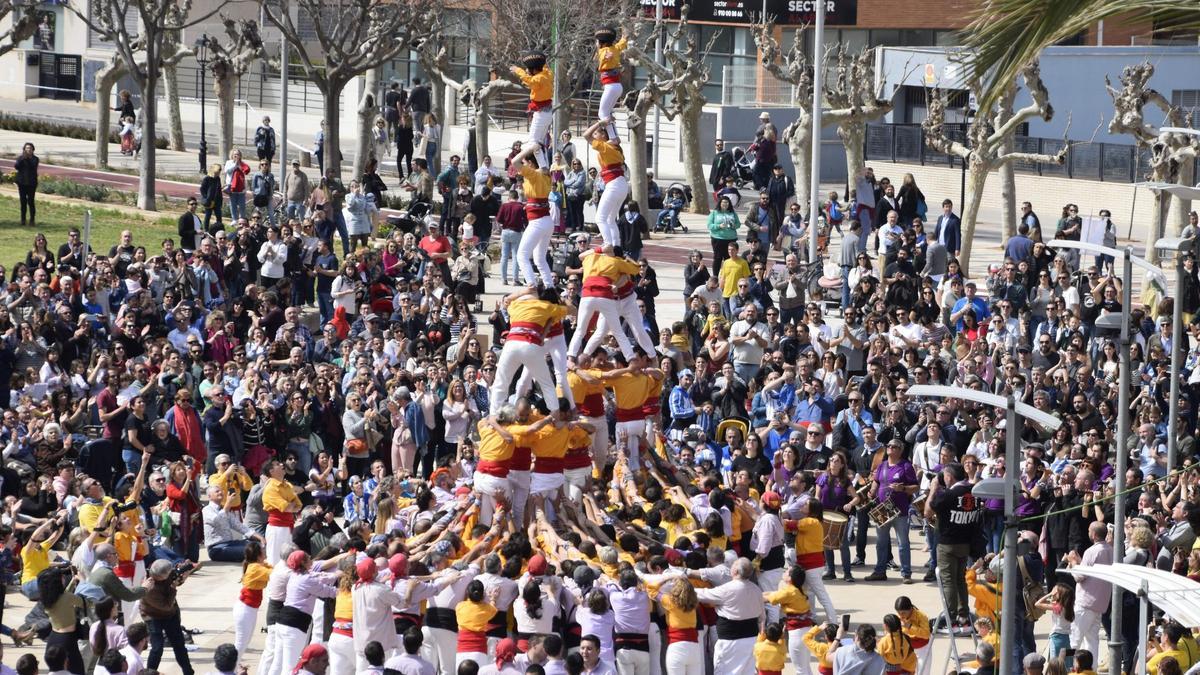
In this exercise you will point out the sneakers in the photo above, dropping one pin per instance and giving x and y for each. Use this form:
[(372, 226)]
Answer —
[(849, 579), (858, 562), (876, 576), (828, 576), (929, 576), (893, 566), (907, 581)]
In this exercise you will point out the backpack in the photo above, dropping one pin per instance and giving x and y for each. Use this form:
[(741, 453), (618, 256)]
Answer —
[(1031, 592)]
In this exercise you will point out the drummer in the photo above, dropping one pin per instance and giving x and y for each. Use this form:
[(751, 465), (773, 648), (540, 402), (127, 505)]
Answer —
[(835, 489), (894, 483)]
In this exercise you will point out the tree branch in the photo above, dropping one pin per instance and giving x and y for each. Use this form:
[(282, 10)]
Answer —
[(1038, 107)]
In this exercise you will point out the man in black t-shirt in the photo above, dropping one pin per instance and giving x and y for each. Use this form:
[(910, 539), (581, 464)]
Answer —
[(959, 524)]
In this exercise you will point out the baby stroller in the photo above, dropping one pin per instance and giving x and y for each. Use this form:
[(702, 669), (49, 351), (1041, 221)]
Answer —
[(668, 217), (411, 219), (743, 166)]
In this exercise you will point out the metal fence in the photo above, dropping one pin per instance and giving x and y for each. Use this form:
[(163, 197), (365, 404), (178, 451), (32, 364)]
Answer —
[(507, 111), (753, 85), (1109, 162), (260, 87)]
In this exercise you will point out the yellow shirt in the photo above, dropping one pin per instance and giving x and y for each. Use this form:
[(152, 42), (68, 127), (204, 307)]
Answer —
[(537, 184), (897, 651), (551, 442), (610, 267), (540, 84), (492, 445), (733, 270), (916, 627), (233, 485), (769, 655), (1179, 655), (256, 576), (789, 598), (676, 616), (89, 514), (610, 153), (34, 558), (810, 536), (343, 606), (278, 495), (534, 311), (629, 390), (127, 544), (819, 648), (987, 597), (609, 58), (474, 616)]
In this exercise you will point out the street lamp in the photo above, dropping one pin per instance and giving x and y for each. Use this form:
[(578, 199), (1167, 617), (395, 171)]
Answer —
[(201, 51), (988, 489), (1179, 245), (1119, 322)]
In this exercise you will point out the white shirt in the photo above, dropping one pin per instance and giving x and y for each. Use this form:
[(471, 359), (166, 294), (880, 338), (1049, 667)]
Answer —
[(373, 604), (340, 284), (272, 255), (737, 600), (749, 351), (133, 660)]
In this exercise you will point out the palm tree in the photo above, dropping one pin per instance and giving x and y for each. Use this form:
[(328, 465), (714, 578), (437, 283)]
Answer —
[(1008, 34)]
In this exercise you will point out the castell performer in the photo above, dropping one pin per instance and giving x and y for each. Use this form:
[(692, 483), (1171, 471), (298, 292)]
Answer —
[(616, 185), (608, 59), (281, 504), (601, 269), (529, 313), (540, 81), (536, 240)]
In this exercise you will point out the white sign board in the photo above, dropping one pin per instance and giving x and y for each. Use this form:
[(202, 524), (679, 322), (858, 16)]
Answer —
[(1093, 230)]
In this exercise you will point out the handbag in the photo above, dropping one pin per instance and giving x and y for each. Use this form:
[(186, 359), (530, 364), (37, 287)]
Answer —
[(1031, 592), (422, 146)]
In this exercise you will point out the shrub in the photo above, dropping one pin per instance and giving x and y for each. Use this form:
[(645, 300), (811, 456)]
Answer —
[(50, 128), (75, 190)]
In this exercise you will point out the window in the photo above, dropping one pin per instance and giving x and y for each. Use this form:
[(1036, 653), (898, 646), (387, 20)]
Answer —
[(1188, 99), (132, 24)]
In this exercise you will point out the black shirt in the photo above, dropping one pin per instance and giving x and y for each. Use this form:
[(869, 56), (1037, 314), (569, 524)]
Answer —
[(959, 514), (141, 427)]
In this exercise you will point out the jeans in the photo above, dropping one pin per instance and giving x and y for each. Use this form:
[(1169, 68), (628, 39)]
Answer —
[(133, 460), (431, 157), (26, 193), (883, 546), (295, 210), (845, 287), (1060, 643), (931, 540), (509, 241), (237, 205), (952, 566), (228, 551), (325, 303), (339, 220), (993, 528), (172, 630), (29, 589), (746, 371)]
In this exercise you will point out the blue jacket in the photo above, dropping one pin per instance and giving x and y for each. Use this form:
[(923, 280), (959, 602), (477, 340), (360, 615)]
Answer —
[(953, 235)]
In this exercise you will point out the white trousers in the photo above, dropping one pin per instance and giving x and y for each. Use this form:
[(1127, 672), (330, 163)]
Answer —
[(656, 650), (520, 494), (535, 242), (245, 618), (628, 315), (318, 621), (539, 129), (608, 310), (769, 582), (1085, 630), (633, 662), (291, 641), (600, 440), (798, 651), (438, 648), (610, 96), (341, 654), (518, 353), (632, 432), (270, 654), (479, 658), (734, 657), (685, 658), (615, 192), (558, 358), (488, 487), (816, 588), (131, 610), (575, 480), (277, 538), (924, 659)]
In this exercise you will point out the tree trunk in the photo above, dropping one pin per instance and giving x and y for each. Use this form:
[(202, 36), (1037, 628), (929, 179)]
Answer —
[(638, 163), (693, 167), (853, 135), (481, 127), (106, 78), (1008, 193), (174, 119), (798, 136), (977, 172), (367, 110), (562, 109), (437, 94), (333, 109), (224, 87), (1177, 217), (147, 166)]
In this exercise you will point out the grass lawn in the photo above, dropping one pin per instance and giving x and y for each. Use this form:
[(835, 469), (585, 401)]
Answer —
[(55, 218)]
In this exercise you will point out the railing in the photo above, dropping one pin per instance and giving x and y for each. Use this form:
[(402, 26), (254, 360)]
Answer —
[(753, 85), (260, 87), (507, 111), (1109, 162)]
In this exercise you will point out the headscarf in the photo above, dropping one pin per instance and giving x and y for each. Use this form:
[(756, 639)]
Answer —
[(310, 652), (296, 559), (537, 565), (506, 652), (367, 569), (398, 564)]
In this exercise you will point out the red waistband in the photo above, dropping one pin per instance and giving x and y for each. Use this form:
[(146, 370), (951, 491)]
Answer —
[(611, 171), (281, 518), (811, 561), (535, 210), (626, 290), (797, 621), (592, 405), (525, 332), (825, 670), (577, 458), (917, 643), (651, 406), (554, 330), (682, 635), (251, 597), (343, 627), (612, 76), (472, 641), (535, 106), (125, 570), (491, 468), (764, 671), (636, 415), (549, 465), (598, 287), (521, 459)]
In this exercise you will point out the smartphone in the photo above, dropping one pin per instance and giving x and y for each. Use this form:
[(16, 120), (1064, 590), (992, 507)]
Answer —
[(845, 623)]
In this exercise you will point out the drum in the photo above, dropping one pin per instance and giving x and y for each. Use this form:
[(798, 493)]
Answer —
[(834, 525), (883, 514)]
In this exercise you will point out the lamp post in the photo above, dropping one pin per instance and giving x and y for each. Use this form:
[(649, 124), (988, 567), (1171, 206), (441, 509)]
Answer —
[(201, 51), (1000, 488), (814, 179), (1179, 245), (1119, 322)]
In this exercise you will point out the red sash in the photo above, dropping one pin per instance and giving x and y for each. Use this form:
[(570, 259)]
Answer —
[(343, 627), (625, 291), (537, 208), (592, 405), (577, 458), (251, 597), (636, 415), (492, 468), (611, 171), (523, 331), (536, 106), (797, 621), (598, 287), (682, 635), (549, 465), (612, 76), (125, 570), (811, 561), (472, 641), (521, 459), (281, 518)]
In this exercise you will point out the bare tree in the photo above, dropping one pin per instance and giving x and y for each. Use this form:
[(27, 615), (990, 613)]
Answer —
[(854, 103), (1172, 156), (173, 52), (143, 57), (990, 135), (21, 28), (351, 38), (228, 61), (107, 77), (795, 69), (687, 71)]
